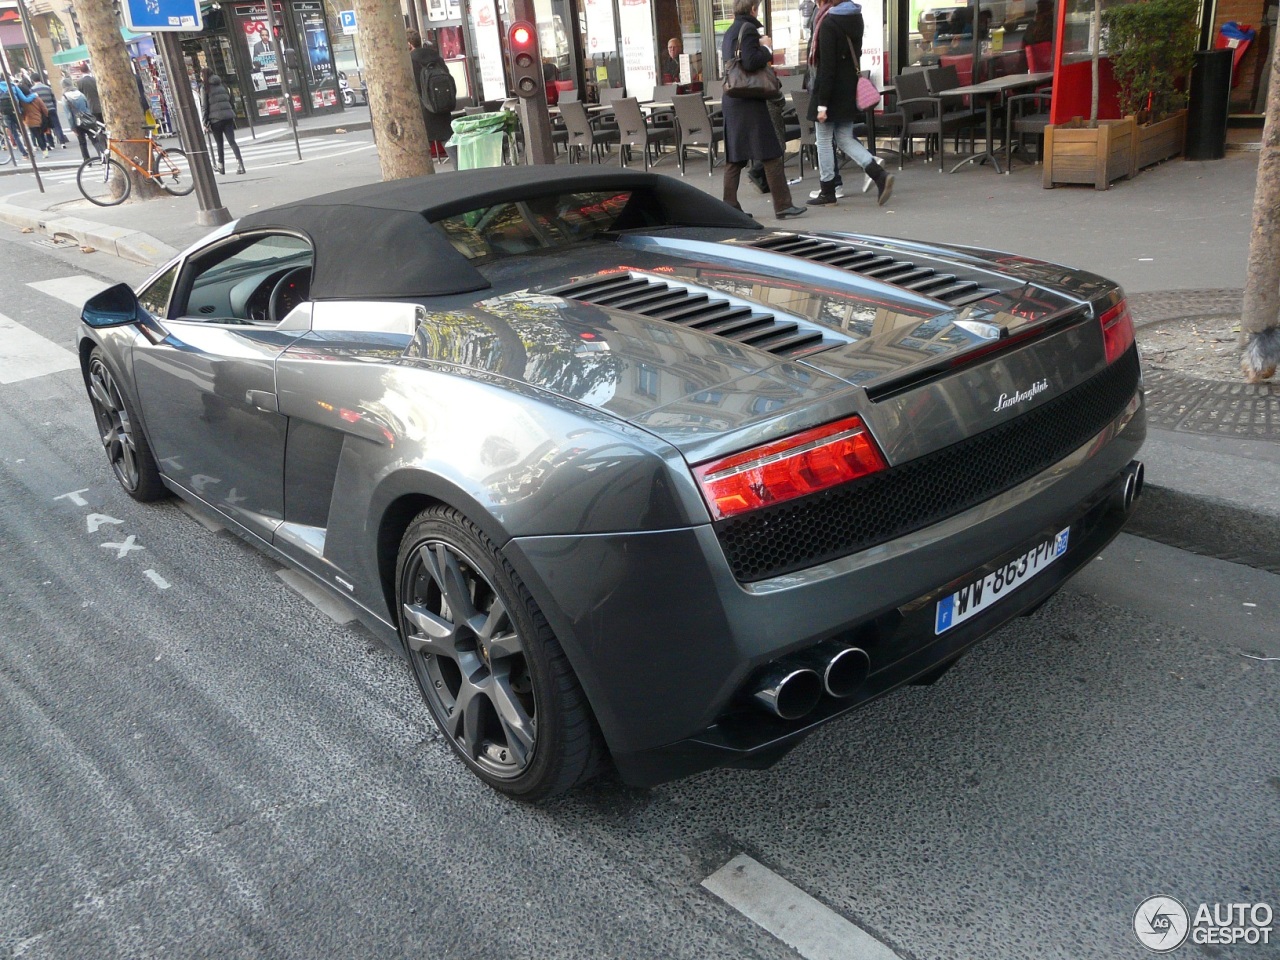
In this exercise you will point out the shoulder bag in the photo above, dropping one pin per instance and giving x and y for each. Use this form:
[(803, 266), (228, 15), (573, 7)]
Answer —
[(867, 94), (762, 84)]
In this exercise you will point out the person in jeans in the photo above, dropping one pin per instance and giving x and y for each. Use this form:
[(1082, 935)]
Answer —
[(45, 93), (748, 128), (219, 117), (12, 101), (834, 54)]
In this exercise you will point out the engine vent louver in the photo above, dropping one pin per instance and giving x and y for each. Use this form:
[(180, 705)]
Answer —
[(871, 262), (700, 309)]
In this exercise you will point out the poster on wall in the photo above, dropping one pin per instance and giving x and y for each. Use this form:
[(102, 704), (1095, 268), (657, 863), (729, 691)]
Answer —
[(264, 71), (602, 36), (493, 81), (873, 40), (315, 40), (639, 57)]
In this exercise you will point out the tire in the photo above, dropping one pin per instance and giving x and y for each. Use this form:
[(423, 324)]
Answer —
[(498, 685), (104, 182), (173, 172), (127, 449)]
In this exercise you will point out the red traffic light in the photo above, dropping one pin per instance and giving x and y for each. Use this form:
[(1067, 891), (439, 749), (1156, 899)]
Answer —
[(526, 68), (521, 35)]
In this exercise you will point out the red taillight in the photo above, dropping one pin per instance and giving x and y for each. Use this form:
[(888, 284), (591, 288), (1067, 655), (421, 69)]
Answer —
[(805, 463), (1117, 331)]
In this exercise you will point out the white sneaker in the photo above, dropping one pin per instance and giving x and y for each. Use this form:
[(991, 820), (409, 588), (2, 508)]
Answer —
[(813, 194)]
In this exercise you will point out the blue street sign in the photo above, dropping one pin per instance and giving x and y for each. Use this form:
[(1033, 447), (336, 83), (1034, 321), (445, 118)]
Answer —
[(149, 16), (348, 18)]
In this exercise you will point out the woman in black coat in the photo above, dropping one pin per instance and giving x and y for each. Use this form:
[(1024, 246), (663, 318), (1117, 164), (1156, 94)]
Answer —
[(748, 128)]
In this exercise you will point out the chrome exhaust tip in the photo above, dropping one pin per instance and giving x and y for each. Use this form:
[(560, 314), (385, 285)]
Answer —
[(843, 669), (1130, 486), (788, 691), (1139, 477)]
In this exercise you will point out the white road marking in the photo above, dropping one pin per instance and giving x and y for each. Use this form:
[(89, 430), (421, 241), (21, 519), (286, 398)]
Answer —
[(74, 497), (814, 931), (306, 588), (25, 355), (94, 520), (75, 290), (129, 545), (155, 578)]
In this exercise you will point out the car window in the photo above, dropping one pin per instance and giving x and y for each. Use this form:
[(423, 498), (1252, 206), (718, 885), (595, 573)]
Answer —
[(557, 220), (154, 297), (247, 280)]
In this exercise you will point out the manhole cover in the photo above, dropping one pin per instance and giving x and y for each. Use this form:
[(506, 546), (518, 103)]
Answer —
[(1189, 405)]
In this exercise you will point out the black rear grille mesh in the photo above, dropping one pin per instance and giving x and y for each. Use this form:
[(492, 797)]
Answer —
[(707, 311), (913, 495), (875, 263)]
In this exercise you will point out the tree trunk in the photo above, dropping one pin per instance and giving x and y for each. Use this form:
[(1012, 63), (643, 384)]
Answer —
[(1260, 314), (117, 86), (399, 129)]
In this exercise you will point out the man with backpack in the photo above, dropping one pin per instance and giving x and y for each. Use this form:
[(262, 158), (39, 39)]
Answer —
[(12, 101), (437, 91)]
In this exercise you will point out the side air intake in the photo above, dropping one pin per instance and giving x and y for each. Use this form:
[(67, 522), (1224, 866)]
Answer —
[(702, 309), (872, 262)]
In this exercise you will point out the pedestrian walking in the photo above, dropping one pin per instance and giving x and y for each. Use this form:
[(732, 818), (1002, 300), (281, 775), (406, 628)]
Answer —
[(748, 128), (835, 56), (35, 117), (12, 100), (45, 93), (87, 84), (83, 123), (219, 117)]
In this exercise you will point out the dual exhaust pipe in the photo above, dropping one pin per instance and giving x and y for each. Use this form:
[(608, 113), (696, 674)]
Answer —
[(793, 686), (1130, 486)]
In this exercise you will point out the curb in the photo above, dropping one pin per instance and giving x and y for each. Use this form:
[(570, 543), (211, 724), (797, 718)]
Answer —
[(1206, 526), (132, 245)]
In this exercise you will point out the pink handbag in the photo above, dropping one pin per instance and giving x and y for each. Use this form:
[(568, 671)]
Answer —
[(867, 96)]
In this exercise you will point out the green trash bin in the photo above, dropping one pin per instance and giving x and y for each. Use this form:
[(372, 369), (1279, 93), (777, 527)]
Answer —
[(478, 138)]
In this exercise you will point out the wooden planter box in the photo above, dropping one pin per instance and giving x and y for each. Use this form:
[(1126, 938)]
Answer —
[(1077, 153), (1160, 141)]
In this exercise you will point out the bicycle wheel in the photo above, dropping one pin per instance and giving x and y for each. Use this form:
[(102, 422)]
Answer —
[(103, 181), (173, 172)]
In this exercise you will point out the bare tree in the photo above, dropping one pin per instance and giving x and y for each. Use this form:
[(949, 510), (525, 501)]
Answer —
[(398, 126), (117, 86), (1260, 315)]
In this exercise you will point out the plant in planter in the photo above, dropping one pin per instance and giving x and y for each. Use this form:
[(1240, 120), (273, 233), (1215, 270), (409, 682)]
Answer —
[(1152, 47)]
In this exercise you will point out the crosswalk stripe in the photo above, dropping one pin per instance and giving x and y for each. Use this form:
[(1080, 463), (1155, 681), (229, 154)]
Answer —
[(24, 354), (75, 289)]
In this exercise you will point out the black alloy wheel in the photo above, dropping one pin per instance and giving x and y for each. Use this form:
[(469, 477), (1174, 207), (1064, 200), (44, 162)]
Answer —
[(491, 671), (127, 449)]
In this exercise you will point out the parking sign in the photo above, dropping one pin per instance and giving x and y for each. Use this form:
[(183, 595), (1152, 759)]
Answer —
[(348, 18)]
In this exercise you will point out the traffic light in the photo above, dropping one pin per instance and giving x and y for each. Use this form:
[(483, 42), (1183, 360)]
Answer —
[(526, 66)]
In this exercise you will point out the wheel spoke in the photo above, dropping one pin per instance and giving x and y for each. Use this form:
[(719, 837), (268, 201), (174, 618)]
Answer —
[(433, 633), (442, 565), (101, 393), (494, 631), (516, 723), (466, 723)]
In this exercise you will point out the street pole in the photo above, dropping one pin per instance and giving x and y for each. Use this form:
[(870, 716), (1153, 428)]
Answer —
[(533, 110), (212, 212), (283, 69), (37, 58), (22, 127)]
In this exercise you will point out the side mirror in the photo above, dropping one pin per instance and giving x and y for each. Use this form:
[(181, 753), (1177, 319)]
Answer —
[(113, 307)]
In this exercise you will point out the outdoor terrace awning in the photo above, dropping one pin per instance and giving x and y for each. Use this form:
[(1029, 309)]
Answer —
[(76, 54)]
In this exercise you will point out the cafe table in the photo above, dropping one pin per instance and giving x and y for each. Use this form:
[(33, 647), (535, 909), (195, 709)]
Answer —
[(989, 91)]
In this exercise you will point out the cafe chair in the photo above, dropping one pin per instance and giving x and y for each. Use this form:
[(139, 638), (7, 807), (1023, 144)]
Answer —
[(695, 130), (1026, 113), (925, 116), (582, 135), (713, 89), (636, 130)]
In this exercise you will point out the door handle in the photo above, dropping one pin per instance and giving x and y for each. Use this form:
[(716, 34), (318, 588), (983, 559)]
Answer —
[(263, 400)]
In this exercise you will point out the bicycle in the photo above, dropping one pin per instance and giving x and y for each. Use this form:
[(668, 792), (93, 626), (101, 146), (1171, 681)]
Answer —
[(104, 180)]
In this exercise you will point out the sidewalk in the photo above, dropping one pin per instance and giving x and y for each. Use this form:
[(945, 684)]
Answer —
[(1176, 237)]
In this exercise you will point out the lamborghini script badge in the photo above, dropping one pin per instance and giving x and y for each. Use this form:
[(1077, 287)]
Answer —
[(1008, 400)]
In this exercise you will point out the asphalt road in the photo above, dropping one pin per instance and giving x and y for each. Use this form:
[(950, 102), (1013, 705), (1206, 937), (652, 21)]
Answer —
[(195, 761)]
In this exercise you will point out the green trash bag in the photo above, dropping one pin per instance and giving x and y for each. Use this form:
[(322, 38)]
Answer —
[(478, 138)]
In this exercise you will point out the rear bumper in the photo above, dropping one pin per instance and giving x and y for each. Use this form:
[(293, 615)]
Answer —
[(665, 641)]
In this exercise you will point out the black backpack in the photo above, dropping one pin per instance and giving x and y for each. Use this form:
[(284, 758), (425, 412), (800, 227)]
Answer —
[(439, 90)]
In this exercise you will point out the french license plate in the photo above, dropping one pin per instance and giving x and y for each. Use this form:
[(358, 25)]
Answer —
[(973, 598)]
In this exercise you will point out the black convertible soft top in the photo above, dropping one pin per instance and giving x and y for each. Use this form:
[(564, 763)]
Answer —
[(380, 240)]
